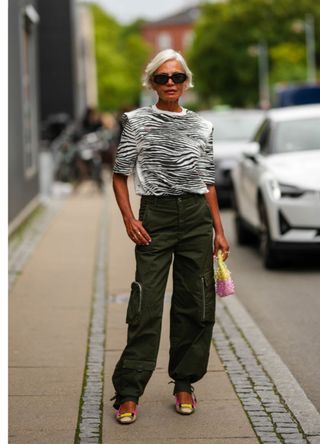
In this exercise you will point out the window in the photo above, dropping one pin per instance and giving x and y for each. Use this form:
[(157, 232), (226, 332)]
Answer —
[(187, 39), (298, 135), (263, 137), (164, 40), (29, 105)]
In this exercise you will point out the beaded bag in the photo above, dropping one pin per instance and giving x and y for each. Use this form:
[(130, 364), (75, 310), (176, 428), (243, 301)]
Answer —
[(223, 280)]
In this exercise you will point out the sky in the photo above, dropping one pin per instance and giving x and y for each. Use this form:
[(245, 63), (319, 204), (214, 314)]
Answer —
[(126, 11)]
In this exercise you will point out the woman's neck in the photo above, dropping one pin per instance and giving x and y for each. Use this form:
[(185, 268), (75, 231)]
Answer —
[(169, 106)]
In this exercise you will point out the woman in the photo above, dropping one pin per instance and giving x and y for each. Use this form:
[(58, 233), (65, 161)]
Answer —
[(169, 150)]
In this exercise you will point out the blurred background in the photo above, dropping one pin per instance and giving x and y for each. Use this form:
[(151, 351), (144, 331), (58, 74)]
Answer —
[(75, 67)]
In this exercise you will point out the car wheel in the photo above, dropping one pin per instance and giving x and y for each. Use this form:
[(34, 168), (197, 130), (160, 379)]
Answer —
[(268, 252), (243, 234)]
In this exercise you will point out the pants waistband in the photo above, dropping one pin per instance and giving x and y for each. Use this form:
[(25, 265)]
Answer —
[(179, 197)]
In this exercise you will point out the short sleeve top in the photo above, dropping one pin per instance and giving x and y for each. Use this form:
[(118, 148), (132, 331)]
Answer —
[(169, 153)]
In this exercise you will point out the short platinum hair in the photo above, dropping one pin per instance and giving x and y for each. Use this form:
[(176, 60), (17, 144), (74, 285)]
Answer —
[(159, 59)]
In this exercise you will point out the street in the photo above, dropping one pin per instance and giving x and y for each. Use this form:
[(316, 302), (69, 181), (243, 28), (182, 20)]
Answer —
[(285, 304)]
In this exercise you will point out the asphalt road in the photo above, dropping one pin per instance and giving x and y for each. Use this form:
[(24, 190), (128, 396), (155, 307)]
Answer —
[(285, 304)]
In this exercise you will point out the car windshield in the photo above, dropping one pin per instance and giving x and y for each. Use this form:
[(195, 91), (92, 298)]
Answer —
[(234, 126), (297, 135)]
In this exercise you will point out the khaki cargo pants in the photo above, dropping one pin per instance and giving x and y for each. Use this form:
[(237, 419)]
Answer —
[(180, 228)]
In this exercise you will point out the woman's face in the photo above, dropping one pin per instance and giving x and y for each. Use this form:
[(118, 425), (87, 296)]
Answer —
[(170, 92)]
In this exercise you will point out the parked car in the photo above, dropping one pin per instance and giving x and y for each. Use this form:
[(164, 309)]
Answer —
[(232, 130), (277, 184), (297, 95)]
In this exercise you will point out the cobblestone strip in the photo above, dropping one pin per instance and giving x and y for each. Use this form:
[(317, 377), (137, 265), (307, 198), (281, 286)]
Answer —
[(271, 418), (295, 398), (22, 246), (89, 429)]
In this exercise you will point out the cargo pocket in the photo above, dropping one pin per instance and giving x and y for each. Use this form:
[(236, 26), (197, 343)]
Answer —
[(208, 297), (135, 304)]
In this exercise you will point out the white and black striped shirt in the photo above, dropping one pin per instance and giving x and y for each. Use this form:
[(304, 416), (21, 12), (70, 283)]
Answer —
[(169, 153)]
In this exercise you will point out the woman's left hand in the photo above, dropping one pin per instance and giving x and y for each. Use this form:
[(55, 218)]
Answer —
[(221, 243)]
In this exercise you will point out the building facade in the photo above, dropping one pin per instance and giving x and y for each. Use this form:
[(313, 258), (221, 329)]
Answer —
[(175, 31), (51, 71), (23, 110), (59, 78)]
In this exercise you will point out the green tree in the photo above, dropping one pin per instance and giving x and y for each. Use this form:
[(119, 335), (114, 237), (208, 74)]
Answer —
[(288, 63), (220, 56), (121, 54)]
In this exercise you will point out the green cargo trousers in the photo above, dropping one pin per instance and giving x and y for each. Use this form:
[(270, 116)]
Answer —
[(180, 227)]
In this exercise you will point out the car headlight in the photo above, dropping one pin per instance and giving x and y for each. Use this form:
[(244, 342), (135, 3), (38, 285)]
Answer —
[(281, 190)]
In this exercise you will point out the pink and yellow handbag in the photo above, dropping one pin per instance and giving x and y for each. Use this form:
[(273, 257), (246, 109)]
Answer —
[(223, 280)]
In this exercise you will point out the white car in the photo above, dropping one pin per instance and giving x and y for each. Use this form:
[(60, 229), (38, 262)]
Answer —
[(277, 184), (232, 130)]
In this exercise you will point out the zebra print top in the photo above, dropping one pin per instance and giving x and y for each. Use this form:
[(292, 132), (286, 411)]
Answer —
[(169, 153)]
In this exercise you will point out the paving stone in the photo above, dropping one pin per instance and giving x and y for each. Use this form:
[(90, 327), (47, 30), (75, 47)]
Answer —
[(262, 422), (270, 441), (88, 439), (263, 429), (287, 430), (258, 414), (286, 424), (254, 387), (88, 435), (295, 441), (251, 404), (264, 435), (275, 409), (282, 417), (291, 436)]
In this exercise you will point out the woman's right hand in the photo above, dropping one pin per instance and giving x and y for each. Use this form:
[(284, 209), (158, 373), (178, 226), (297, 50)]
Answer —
[(136, 231)]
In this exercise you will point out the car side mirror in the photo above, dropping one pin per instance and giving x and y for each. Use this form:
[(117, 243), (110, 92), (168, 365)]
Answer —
[(251, 151)]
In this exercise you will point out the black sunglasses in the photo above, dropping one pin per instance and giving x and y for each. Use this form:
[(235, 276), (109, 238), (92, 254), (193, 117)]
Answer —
[(177, 77)]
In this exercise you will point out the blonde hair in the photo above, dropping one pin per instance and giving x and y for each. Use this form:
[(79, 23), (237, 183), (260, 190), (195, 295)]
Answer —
[(158, 60)]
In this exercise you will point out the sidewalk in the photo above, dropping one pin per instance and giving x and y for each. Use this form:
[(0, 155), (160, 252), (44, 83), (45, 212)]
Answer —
[(50, 307), (49, 314)]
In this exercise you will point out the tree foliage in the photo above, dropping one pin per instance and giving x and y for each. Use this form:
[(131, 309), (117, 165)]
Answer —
[(224, 70), (121, 54)]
